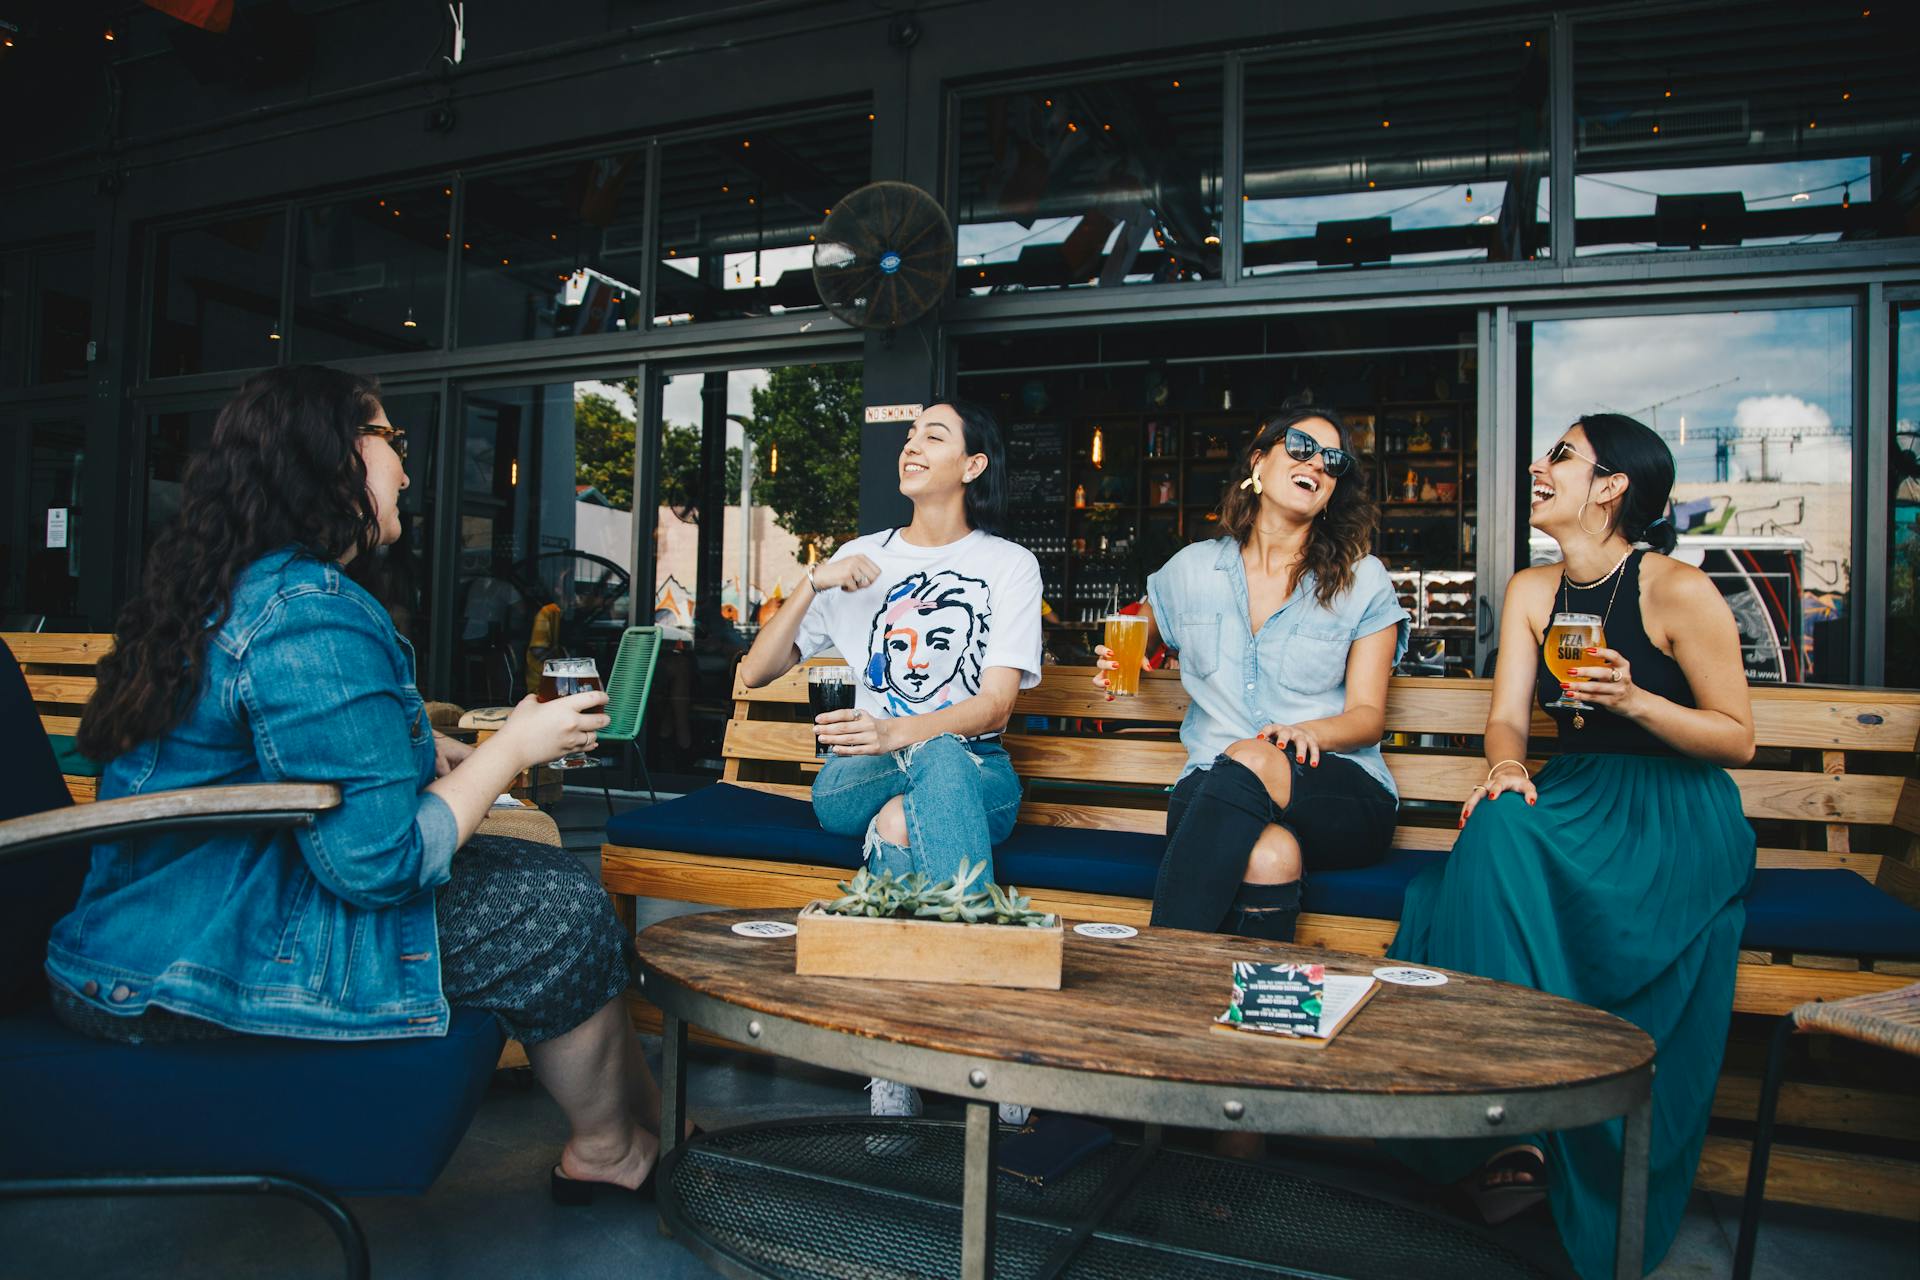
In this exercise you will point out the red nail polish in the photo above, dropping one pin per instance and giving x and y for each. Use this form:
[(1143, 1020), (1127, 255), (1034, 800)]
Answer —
[(1529, 801), (1565, 685), (1591, 651)]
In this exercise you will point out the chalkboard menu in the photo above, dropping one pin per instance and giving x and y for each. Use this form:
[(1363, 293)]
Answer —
[(1036, 464)]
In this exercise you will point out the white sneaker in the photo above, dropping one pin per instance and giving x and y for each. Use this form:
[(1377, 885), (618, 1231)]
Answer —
[(891, 1098), (1015, 1114)]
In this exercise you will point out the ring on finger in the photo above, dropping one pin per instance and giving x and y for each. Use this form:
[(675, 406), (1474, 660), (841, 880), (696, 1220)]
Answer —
[(1618, 675)]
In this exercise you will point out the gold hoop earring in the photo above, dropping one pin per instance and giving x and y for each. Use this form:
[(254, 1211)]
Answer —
[(1580, 518)]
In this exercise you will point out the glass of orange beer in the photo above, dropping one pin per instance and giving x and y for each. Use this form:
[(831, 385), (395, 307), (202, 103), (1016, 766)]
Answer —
[(1569, 637), (563, 677), (1127, 638)]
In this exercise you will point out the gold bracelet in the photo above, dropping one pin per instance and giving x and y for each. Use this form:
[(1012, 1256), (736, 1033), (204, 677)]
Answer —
[(1503, 764)]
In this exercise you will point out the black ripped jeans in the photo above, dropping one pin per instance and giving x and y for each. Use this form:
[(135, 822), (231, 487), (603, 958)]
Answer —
[(1340, 815)]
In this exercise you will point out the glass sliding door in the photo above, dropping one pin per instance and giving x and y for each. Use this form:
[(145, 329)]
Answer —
[(40, 541), (758, 478), (545, 531), (1757, 406)]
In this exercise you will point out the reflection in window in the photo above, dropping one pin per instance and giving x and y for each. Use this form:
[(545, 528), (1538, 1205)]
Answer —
[(1797, 130), (1903, 541), (216, 295), (554, 251), (1114, 182), (1427, 152), (544, 555), (738, 214), (370, 274), (1757, 407)]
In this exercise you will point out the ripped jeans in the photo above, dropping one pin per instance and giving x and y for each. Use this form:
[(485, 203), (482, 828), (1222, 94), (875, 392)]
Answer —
[(961, 799)]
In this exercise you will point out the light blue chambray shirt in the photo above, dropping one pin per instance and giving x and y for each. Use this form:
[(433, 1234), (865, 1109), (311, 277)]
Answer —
[(1294, 670)]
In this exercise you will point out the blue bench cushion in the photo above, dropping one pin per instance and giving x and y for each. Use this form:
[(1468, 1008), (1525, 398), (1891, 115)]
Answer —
[(1790, 909), (376, 1117)]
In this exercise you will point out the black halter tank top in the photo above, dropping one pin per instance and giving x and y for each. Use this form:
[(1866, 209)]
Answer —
[(1652, 670)]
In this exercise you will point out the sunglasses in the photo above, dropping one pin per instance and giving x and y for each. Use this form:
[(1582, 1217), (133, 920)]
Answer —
[(394, 436), (1300, 446), (1562, 451)]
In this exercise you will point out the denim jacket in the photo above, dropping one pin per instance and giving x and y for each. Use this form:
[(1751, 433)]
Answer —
[(1294, 670), (326, 931)]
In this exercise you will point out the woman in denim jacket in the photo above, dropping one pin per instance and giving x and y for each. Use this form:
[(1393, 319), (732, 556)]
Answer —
[(1287, 631), (250, 656)]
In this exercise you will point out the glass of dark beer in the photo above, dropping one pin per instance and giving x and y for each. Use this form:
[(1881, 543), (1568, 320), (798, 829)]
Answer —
[(563, 677), (829, 689)]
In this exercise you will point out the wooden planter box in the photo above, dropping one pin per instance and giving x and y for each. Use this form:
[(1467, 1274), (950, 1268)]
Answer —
[(981, 955)]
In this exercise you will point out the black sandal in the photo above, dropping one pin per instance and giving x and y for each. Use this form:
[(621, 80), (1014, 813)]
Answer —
[(1508, 1185)]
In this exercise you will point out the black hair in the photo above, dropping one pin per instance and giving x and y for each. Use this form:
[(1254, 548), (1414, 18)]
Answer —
[(987, 492), (1630, 448)]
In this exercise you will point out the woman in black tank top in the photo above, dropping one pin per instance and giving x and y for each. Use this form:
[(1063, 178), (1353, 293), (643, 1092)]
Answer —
[(1618, 875)]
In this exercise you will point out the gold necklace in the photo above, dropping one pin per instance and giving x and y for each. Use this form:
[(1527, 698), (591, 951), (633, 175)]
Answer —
[(1566, 605)]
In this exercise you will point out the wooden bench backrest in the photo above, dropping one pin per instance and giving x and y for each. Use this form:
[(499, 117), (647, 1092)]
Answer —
[(770, 744), (59, 671)]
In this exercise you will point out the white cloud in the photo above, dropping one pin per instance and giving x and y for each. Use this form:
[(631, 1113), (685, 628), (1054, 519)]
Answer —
[(1758, 413)]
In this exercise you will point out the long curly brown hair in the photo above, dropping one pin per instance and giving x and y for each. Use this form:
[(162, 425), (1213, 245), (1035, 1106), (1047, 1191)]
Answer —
[(284, 470), (1342, 532)]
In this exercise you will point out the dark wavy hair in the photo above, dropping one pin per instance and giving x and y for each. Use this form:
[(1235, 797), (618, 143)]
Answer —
[(987, 494), (1630, 448), (284, 469), (1341, 534)]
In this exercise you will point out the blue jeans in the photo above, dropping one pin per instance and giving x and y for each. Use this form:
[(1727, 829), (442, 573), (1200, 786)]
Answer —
[(961, 799)]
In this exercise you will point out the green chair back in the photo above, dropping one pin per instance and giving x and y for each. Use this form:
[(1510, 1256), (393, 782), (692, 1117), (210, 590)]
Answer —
[(630, 682)]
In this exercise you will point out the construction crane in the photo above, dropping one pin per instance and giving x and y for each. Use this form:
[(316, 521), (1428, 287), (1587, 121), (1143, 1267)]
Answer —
[(1654, 408)]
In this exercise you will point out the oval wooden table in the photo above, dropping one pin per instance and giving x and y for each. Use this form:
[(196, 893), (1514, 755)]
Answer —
[(1129, 1036)]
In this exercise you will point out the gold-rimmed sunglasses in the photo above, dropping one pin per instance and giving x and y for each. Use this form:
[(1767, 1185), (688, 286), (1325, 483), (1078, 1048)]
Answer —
[(1561, 451), (394, 436)]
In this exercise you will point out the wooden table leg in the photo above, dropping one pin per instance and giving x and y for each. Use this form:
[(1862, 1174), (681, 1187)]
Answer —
[(977, 1192), (1635, 1151), (673, 1088)]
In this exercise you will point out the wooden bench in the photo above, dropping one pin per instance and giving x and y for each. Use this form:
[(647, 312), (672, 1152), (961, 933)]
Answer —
[(59, 671), (1831, 782)]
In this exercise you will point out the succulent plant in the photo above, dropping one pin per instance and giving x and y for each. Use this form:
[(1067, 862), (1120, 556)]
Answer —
[(956, 900)]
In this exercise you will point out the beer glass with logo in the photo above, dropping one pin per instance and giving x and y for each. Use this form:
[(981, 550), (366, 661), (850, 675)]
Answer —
[(828, 689), (561, 678), (1569, 637), (1127, 638)]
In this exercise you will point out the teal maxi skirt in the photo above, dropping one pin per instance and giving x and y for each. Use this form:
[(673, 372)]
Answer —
[(1623, 888)]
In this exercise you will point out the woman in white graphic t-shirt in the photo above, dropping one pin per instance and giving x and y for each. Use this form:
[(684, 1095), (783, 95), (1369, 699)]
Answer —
[(940, 622)]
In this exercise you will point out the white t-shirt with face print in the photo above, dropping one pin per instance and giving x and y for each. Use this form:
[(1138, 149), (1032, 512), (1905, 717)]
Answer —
[(919, 637)]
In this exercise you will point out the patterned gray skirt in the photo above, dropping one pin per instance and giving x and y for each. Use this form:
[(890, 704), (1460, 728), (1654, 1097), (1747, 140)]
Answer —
[(526, 933)]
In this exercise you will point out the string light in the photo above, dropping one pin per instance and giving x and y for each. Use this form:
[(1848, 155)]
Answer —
[(1846, 196), (109, 35), (409, 322), (1176, 84), (1469, 195), (1846, 96), (1212, 240), (553, 235), (1386, 124)]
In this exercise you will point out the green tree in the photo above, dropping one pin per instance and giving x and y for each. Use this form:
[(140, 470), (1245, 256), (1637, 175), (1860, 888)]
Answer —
[(603, 447), (811, 414)]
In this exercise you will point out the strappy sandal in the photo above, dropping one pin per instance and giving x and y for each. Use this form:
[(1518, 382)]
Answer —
[(1508, 1185)]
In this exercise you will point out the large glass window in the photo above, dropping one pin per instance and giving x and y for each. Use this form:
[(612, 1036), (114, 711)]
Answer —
[(1903, 541), (1107, 182), (1433, 151), (173, 438), (738, 214), (216, 295), (554, 251), (46, 314), (370, 274), (1757, 407), (1788, 124)]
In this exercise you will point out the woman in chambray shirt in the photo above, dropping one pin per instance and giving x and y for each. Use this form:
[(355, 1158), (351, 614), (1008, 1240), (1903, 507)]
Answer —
[(249, 656), (1288, 631)]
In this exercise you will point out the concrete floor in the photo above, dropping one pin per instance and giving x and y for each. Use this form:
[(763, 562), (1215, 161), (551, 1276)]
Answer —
[(489, 1216)]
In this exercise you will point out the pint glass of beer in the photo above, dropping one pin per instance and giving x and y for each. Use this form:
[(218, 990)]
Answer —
[(1569, 636), (563, 677), (828, 689), (1127, 638)]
